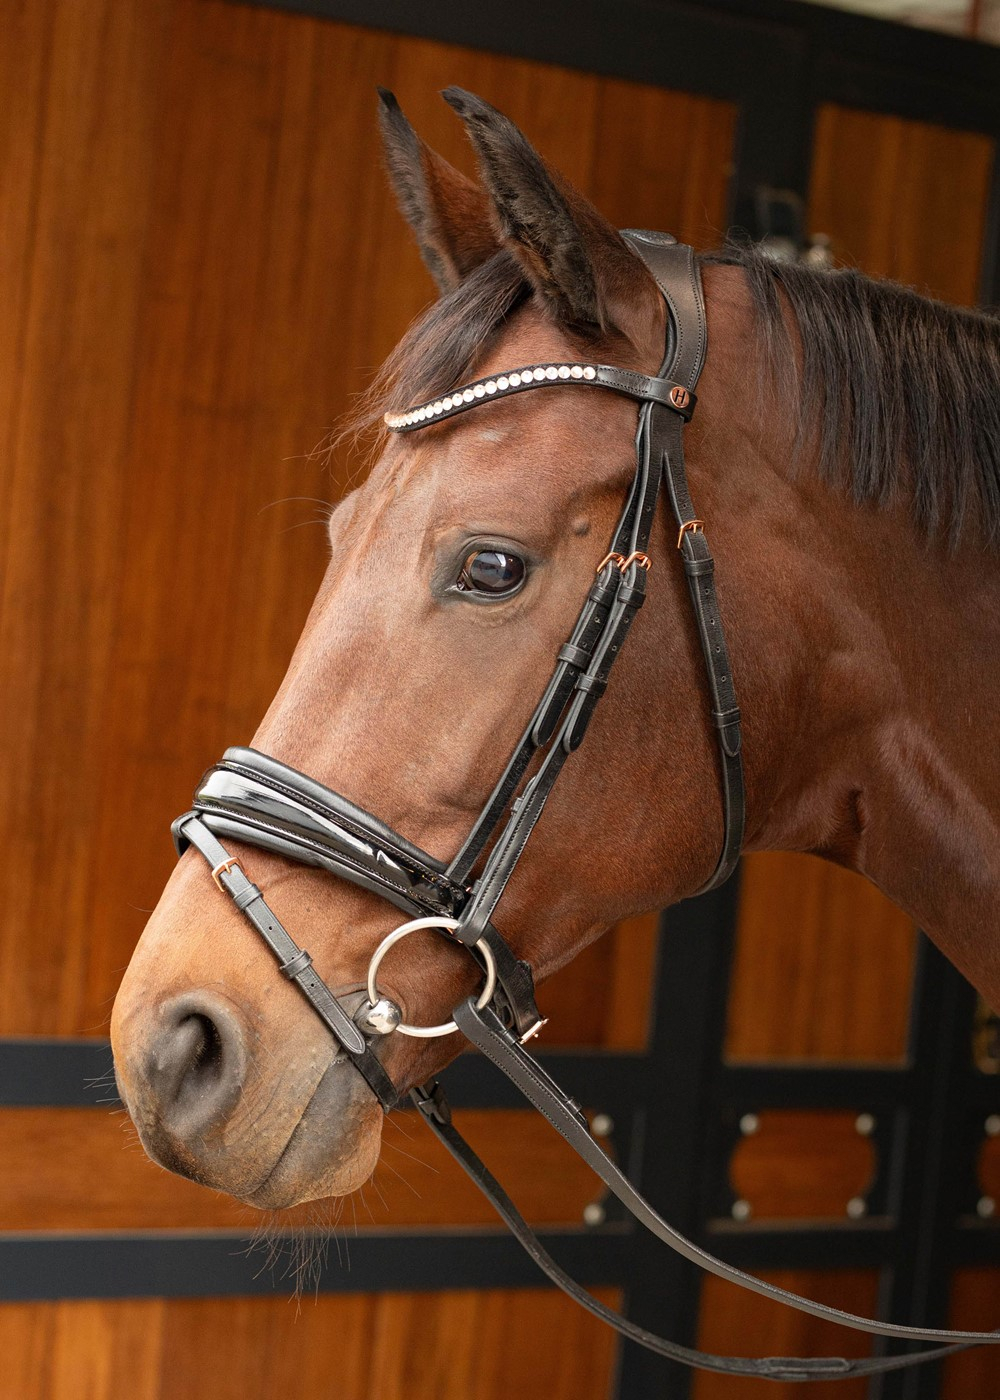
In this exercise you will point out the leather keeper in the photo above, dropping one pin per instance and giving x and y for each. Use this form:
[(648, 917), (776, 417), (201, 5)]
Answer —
[(604, 594), (246, 896), (730, 734), (431, 1102), (592, 685), (294, 967), (695, 568), (633, 595), (574, 655)]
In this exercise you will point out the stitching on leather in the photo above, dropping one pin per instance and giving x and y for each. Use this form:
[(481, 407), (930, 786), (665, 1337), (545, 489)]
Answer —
[(331, 813), (258, 825), (236, 812)]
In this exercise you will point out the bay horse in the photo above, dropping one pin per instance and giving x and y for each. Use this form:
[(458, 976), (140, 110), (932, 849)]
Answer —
[(846, 455)]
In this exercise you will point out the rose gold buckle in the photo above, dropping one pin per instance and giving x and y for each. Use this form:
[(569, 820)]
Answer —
[(692, 525), (223, 868), (621, 563)]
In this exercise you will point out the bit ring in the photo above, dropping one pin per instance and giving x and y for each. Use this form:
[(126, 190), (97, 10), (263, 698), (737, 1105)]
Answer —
[(435, 921)]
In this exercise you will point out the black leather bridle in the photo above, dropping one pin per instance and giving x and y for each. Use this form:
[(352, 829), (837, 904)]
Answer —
[(259, 801)]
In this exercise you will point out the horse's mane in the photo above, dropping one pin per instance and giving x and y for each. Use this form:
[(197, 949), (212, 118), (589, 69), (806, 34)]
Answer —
[(904, 391)]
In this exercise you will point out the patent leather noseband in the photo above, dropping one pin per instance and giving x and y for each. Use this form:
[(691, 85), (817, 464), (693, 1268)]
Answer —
[(261, 802)]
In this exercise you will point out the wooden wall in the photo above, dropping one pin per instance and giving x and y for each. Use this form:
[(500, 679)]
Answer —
[(199, 266)]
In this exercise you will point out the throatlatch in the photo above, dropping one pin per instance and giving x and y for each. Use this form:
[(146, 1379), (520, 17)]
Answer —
[(259, 801)]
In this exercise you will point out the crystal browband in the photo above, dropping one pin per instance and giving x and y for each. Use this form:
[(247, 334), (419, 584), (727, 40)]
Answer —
[(622, 381)]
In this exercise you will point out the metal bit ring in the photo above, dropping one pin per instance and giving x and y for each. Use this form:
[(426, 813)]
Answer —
[(436, 921)]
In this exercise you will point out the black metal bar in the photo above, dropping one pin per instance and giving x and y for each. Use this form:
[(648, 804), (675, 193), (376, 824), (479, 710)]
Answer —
[(860, 1086), (974, 1243), (44, 1073), (685, 1051), (37, 1267), (923, 1194), (981, 1092), (733, 49), (611, 1081), (849, 1246), (693, 47)]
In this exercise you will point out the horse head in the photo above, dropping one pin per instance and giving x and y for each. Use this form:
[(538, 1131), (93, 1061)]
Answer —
[(456, 572)]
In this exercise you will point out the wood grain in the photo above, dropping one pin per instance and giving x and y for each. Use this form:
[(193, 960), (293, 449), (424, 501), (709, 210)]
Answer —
[(364, 1347), (81, 1169), (200, 266), (203, 266), (737, 1323), (975, 1303), (823, 965), (622, 964), (903, 199), (800, 1165)]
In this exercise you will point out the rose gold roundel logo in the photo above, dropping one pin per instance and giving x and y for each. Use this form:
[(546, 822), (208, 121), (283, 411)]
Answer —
[(679, 397)]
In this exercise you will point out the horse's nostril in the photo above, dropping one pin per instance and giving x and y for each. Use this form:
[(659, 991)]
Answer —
[(196, 1063), (206, 1053)]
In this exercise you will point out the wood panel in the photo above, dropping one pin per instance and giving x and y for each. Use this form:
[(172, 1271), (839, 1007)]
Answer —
[(903, 199), (823, 965), (364, 1347), (744, 1324), (975, 1303), (202, 267), (802, 1165), (622, 964), (79, 1169)]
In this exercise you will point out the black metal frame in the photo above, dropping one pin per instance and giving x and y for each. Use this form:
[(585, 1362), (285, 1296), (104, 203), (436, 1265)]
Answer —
[(675, 1109), (929, 1112)]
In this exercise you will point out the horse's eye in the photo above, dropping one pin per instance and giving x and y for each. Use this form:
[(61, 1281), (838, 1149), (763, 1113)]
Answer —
[(491, 571)]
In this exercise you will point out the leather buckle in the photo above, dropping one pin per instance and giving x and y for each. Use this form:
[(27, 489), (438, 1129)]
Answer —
[(689, 525), (223, 868)]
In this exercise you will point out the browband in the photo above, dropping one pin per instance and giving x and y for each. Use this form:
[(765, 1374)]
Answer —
[(645, 388)]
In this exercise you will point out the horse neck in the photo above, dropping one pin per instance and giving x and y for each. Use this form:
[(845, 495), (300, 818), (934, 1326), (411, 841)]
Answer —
[(866, 659)]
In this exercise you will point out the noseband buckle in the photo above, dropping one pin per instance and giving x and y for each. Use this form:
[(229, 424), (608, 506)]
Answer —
[(223, 868)]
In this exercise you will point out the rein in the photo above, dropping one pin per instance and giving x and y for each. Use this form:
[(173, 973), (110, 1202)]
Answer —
[(257, 800)]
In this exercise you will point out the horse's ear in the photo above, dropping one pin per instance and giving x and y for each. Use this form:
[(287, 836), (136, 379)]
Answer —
[(575, 259), (449, 213)]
